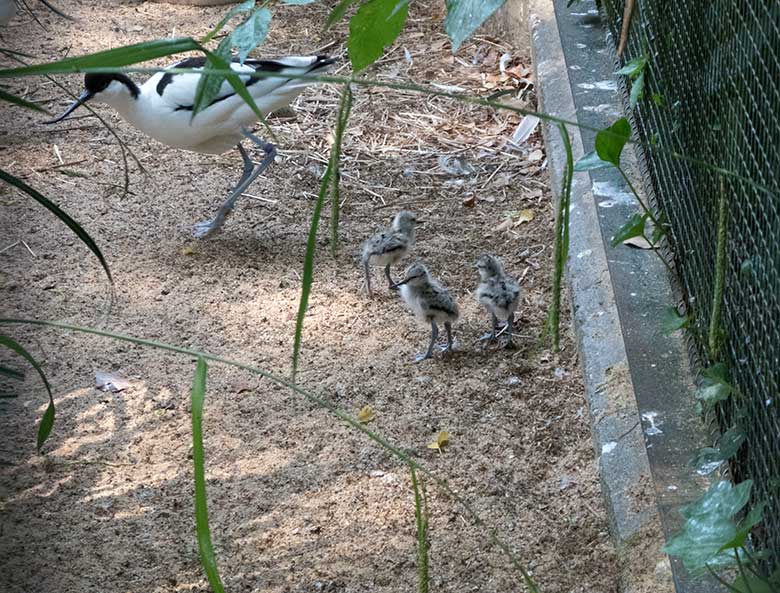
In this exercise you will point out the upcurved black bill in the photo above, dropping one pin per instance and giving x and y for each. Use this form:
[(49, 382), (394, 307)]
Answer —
[(83, 98)]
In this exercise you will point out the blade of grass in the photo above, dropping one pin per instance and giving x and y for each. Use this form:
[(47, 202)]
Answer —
[(561, 244), (243, 7), (59, 213), (207, 558), (421, 517), (11, 373), (318, 401), (335, 212), (120, 56), (11, 98), (47, 421)]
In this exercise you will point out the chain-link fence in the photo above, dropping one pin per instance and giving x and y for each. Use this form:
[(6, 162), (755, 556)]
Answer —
[(712, 95)]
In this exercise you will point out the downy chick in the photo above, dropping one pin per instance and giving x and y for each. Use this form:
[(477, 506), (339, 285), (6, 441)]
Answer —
[(430, 302), (499, 293), (389, 247)]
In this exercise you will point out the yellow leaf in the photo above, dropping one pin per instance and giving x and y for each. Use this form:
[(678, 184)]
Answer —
[(366, 415), (526, 215), (187, 250), (441, 441)]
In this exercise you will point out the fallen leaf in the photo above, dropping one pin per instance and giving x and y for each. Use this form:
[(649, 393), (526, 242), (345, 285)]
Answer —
[(536, 155), (187, 250), (442, 440), (470, 202), (526, 215), (639, 243), (505, 226), (366, 414)]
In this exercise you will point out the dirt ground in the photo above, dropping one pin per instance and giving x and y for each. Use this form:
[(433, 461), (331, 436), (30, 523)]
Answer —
[(297, 501)]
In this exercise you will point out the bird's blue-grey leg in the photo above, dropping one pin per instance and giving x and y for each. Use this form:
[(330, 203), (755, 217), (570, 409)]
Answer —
[(391, 284), (491, 335), (209, 227), (434, 335), (448, 327), (509, 323), (367, 273)]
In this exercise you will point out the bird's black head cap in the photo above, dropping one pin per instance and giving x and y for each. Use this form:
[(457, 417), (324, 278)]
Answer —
[(98, 82)]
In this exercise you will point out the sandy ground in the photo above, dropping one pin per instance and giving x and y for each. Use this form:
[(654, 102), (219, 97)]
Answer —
[(298, 502)]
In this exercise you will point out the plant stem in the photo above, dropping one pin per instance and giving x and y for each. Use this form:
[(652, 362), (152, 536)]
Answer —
[(421, 516), (720, 274)]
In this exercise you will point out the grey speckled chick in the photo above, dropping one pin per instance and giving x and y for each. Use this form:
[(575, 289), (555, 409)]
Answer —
[(389, 247), (430, 302), (499, 293)]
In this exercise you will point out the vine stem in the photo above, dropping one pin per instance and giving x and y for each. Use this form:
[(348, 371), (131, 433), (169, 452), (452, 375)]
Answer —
[(713, 341)]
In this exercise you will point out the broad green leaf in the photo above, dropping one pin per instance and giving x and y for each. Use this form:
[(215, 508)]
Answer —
[(465, 16), (633, 227), (207, 558), (120, 56), (251, 33), (338, 12), (633, 68), (243, 7), (610, 141), (47, 422), (751, 583), (209, 84), (10, 98), (637, 90), (671, 321), (717, 373), (729, 444), (589, 162), (11, 373), (375, 26), (752, 519), (714, 393), (709, 524), (59, 213)]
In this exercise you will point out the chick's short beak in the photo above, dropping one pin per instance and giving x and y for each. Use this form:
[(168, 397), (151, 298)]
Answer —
[(83, 98)]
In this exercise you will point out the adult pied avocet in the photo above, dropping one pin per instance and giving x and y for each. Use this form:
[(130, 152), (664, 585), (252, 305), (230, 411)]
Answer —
[(162, 108)]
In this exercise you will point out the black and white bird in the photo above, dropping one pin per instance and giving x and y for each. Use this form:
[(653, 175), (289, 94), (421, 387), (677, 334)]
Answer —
[(430, 302), (390, 246), (162, 108), (498, 293)]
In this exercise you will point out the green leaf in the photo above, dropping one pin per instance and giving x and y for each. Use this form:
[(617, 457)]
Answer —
[(714, 386), (207, 558), (671, 321), (729, 444), (633, 227), (210, 84), (311, 242), (251, 33), (59, 213), (610, 141), (243, 7), (338, 12), (637, 90), (11, 373), (752, 583), (298, 2), (658, 99), (589, 162), (375, 26), (465, 16), (120, 56), (752, 519), (47, 422), (709, 524), (634, 68), (10, 98)]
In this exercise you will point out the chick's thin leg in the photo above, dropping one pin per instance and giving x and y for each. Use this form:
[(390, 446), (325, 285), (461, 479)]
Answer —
[(434, 335), (390, 282), (367, 273)]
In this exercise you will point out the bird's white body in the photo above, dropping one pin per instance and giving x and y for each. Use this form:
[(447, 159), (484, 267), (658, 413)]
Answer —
[(500, 298), (423, 304), (163, 107)]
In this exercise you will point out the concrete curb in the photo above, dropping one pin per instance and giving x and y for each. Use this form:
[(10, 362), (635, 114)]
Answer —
[(644, 430)]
